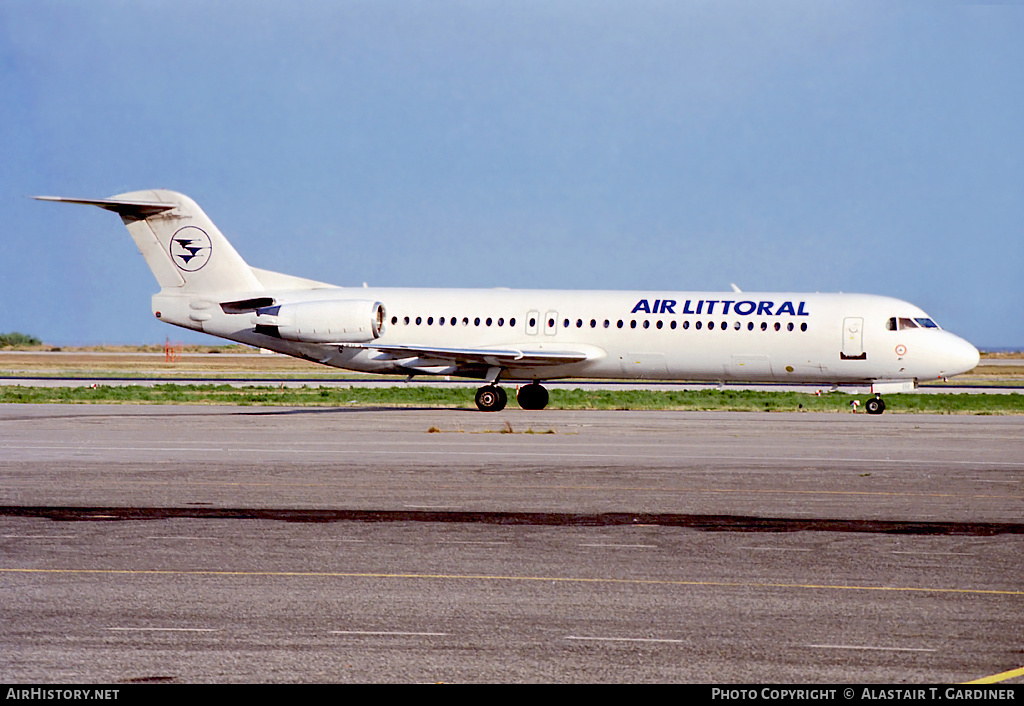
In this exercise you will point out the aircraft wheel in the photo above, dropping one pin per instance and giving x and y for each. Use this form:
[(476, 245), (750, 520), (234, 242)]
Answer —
[(491, 398), (876, 405), (533, 396)]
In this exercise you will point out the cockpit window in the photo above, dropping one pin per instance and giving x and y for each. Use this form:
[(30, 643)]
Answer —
[(903, 322)]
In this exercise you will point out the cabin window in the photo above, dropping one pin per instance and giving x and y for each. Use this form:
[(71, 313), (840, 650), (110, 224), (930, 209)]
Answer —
[(647, 324), (803, 327), (619, 324), (476, 321), (764, 325), (673, 325), (697, 326), (419, 320), (660, 323), (511, 322)]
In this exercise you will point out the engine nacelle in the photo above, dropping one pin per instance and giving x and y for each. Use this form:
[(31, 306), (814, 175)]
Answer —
[(332, 321)]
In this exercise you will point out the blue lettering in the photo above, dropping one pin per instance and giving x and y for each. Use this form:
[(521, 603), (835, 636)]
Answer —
[(742, 308)]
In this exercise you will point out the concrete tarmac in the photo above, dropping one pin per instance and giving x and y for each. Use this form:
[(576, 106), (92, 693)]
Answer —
[(226, 544)]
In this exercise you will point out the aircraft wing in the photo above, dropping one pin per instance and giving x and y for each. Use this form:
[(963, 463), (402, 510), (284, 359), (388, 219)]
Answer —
[(492, 357)]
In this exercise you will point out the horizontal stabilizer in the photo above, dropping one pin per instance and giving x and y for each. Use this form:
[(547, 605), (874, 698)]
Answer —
[(134, 210)]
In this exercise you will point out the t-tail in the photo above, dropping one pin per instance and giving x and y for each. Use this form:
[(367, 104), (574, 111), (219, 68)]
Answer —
[(182, 246), (205, 285)]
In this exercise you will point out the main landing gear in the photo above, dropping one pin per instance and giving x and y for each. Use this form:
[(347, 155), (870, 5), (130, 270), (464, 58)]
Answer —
[(491, 398), (532, 396)]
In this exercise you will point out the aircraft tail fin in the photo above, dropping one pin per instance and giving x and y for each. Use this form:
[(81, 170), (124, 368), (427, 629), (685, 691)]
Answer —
[(181, 245)]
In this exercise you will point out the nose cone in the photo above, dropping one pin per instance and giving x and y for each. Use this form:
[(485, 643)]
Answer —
[(959, 356)]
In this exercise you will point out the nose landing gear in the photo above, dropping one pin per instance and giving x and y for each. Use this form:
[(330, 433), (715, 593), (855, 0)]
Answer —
[(875, 405)]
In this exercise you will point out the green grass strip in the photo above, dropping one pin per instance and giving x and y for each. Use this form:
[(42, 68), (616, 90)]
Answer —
[(462, 397)]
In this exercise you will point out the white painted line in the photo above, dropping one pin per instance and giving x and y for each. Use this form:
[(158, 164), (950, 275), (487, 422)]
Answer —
[(623, 546), (171, 536), (623, 639), (385, 632), (38, 536), (776, 549), (868, 647), (166, 629), (937, 553)]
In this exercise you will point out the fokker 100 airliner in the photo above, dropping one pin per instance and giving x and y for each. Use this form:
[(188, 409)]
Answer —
[(531, 336)]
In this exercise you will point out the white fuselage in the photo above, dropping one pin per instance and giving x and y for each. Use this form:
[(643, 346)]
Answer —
[(714, 336)]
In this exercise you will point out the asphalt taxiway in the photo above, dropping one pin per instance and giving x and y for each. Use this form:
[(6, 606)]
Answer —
[(213, 544)]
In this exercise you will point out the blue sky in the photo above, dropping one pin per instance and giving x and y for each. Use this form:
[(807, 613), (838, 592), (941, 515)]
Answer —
[(656, 145)]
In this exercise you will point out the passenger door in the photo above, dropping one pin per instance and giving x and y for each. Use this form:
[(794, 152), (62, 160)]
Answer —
[(853, 339)]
